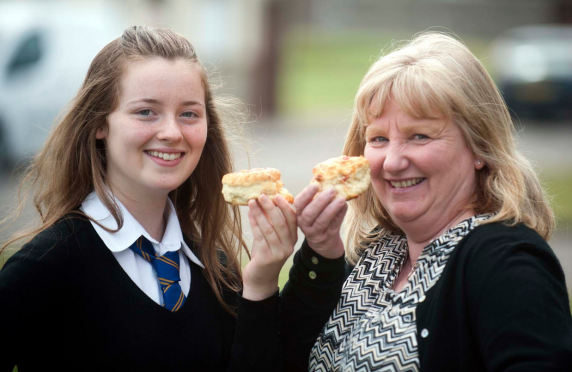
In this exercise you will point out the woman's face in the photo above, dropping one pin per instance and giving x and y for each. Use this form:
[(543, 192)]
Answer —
[(423, 172), (155, 136)]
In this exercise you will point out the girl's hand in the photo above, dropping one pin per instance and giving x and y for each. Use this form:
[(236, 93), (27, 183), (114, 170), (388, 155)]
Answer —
[(275, 233), (320, 220)]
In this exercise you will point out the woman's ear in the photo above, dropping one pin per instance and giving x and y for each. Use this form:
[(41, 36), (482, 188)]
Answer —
[(101, 133)]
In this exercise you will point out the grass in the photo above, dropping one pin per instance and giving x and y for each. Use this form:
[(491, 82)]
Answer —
[(559, 186), (322, 71)]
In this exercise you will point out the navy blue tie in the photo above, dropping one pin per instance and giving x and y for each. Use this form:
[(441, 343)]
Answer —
[(167, 268)]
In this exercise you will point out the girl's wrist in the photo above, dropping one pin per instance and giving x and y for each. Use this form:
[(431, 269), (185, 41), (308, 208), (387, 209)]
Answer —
[(259, 292)]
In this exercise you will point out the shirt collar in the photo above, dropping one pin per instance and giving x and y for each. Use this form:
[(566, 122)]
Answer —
[(132, 229)]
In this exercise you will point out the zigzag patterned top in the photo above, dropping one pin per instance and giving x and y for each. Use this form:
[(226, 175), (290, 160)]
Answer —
[(373, 328)]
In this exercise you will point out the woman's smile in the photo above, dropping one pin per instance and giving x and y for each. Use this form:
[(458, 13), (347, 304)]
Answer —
[(406, 184), (422, 170)]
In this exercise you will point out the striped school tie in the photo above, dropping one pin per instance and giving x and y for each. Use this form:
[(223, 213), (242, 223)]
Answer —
[(167, 268)]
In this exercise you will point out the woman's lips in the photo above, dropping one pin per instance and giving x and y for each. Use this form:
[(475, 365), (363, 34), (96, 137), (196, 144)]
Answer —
[(406, 183)]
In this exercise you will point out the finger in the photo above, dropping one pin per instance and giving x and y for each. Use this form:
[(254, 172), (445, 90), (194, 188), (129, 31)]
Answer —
[(264, 225), (317, 207), (339, 218), (289, 215), (276, 219), (305, 197), (324, 220), (258, 239)]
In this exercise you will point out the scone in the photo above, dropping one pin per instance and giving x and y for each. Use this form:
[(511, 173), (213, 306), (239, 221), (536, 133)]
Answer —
[(349, 175), (239, 187)]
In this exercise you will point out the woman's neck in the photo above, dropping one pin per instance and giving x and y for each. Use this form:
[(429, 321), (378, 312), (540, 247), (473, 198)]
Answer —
[(419, 238), (149, 212)]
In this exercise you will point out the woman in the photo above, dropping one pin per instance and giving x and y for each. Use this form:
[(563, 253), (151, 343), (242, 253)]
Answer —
[(452, 269), (136, 263)]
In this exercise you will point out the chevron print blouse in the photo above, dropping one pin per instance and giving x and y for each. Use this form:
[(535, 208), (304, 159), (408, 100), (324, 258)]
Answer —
[(374, 328)]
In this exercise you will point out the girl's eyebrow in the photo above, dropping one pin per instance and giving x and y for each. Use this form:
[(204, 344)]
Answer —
[(158, 102)]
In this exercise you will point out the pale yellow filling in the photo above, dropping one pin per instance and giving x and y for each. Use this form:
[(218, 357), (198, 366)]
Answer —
[(242, 194)]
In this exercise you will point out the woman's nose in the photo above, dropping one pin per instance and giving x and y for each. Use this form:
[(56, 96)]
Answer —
[(170, 130), (395, 159)]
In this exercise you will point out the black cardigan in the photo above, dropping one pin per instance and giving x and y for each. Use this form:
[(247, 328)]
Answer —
[(501, 304), (67, 305)]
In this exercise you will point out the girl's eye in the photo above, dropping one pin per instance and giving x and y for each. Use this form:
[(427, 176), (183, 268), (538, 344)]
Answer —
[(145, 112), (189, 114)]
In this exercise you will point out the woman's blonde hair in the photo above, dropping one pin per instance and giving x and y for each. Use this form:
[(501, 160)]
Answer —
[(432, 76), (73, 162)]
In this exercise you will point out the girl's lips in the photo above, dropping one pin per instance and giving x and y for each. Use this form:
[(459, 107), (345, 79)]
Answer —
[(163, 162)]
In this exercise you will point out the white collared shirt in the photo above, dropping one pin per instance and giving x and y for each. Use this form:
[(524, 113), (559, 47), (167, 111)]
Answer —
[(139, 270)]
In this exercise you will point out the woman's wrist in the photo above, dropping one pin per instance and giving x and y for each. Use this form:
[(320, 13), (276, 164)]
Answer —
[(332, 250)]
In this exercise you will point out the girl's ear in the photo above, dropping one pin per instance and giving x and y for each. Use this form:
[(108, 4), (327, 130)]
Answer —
[(101, 133)]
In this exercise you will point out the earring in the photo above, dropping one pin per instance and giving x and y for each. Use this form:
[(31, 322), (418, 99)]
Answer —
[(478, 162)]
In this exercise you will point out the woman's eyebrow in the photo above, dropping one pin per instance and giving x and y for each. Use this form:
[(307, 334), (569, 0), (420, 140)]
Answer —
[(425, 125)]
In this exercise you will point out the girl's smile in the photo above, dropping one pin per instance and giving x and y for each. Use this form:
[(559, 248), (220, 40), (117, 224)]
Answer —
[(156, 135)]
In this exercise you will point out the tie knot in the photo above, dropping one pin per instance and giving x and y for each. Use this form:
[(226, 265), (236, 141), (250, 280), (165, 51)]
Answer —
[(167, 268)]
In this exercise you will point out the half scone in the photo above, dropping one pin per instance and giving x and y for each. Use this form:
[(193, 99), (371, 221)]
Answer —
[(239, 187), (349, 175)]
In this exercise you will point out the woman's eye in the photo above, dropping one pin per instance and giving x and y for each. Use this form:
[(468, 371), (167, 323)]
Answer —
[(420, 137), (378, 139), (144, 112)]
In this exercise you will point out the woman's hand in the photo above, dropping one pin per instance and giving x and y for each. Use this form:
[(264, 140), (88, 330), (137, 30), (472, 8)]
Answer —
[(275, 233), (320, 220)]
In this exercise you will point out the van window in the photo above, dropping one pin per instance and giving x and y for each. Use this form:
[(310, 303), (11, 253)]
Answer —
[(27, 54)]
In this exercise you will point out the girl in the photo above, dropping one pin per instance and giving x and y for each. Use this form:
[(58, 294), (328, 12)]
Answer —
[(135, 265)]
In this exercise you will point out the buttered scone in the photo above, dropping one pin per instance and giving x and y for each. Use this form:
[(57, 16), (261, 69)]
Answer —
[(349, 175), (239, 187)]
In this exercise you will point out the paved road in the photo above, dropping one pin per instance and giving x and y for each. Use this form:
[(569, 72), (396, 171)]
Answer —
[(295, 146)]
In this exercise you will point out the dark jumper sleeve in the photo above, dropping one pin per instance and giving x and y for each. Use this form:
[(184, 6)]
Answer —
[(308, 299), (26, 298), (257, 345), (519, 307)]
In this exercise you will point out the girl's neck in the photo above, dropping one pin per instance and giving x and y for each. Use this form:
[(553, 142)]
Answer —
[(149, 212)]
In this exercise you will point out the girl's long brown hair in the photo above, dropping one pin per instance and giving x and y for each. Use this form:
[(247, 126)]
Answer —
[(73, 162)]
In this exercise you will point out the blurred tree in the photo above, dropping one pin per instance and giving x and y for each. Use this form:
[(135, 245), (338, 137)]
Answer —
[(563, 11), (266, 72)]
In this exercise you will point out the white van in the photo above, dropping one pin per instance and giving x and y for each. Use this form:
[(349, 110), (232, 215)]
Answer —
[(45, 51)]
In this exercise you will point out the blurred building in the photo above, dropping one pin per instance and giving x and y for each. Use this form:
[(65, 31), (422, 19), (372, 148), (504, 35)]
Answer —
[(243, 39)]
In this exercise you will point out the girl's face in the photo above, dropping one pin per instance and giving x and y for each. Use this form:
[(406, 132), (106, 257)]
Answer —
[(155, 136)]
